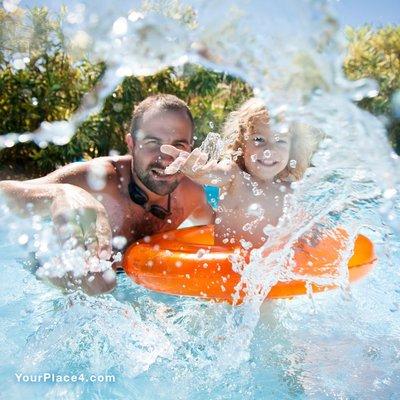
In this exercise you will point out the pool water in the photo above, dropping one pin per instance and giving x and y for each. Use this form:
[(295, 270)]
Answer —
[(212, 195), (338, 344)]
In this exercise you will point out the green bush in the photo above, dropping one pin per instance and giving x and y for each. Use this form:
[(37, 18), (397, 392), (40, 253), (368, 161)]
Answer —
[(50, 87), (376, 54)]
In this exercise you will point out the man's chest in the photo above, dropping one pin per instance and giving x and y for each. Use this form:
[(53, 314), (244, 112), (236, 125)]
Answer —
[(133, 222)]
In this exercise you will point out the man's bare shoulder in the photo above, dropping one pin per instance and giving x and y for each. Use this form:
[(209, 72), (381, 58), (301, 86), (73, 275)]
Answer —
[(77, 173)]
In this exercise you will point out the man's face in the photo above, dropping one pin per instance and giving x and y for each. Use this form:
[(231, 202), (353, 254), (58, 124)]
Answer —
[(158, 128)]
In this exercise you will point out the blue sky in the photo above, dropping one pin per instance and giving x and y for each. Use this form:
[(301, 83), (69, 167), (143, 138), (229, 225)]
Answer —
[(376, 12), (351, 12)]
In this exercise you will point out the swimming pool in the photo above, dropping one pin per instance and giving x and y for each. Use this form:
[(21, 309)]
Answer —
[(338, 344)]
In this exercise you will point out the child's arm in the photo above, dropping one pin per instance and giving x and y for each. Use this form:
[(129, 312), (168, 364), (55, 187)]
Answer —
[(195, 165)]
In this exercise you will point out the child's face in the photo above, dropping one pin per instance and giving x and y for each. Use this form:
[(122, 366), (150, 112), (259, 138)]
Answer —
[(266, 154)]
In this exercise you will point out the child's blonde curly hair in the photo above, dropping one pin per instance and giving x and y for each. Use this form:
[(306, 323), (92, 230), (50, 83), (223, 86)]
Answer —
[(303, 139)]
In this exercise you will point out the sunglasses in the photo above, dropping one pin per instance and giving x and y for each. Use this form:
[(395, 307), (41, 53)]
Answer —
[(138, 196)]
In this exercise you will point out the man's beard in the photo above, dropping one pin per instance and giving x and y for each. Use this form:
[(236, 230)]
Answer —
[(156, 186)]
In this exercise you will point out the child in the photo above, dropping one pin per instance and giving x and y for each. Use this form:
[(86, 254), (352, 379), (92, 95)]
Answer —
[(254, 177)]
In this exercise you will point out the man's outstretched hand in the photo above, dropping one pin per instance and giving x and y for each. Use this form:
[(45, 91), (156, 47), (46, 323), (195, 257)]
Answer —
[(79, 218)]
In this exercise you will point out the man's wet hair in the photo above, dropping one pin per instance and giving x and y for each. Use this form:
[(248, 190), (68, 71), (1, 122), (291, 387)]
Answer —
[(161, 101)]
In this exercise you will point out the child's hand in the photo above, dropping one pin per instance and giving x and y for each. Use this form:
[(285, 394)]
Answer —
[(192, 164), (195, 165)]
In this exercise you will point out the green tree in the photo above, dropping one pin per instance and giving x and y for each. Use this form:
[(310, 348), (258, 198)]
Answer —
[(50, 87), (376, 54)]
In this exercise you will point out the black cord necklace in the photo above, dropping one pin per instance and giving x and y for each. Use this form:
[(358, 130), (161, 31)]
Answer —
[(138, 196)]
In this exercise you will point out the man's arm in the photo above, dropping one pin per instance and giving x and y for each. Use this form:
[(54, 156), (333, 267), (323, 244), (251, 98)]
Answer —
[(63, 195), (20, 194), (40, 193), (76, 214)]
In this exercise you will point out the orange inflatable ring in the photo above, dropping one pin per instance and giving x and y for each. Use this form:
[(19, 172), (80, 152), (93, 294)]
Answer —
[(186, 262)]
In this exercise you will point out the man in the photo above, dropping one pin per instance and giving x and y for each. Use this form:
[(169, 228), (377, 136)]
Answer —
[(125, 196)]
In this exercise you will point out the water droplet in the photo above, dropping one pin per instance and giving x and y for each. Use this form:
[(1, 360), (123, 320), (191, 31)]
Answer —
[(109, 275), (120, 26), (135, 16), (97, 176), (201, 253), (389, 193), (372, 93), (114, 153), (23, 239), (245, 244), (246, 227), (118, 107), (292, 163), (81, 40), (246, 175), (282, 129), (124, 71), (396, 104), (255, 210), (267, 153), (257, 192), (9, 143), (10, 5), (119, 242), (18, 64)]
